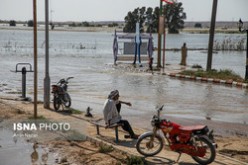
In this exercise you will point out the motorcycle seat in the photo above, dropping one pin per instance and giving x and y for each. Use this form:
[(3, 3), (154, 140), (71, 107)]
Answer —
[(192, 128)]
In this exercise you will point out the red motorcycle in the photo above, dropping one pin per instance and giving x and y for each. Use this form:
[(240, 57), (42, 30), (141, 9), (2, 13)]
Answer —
[(196, 141)]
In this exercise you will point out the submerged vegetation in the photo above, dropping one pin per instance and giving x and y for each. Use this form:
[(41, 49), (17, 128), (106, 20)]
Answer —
[(231, 44)]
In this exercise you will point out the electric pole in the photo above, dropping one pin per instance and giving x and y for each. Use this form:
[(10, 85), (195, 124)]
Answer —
[(211, 36)]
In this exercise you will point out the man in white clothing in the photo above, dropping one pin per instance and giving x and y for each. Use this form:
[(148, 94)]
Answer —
[(111, 112)]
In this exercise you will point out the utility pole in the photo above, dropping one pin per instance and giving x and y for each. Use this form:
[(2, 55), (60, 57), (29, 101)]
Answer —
[(159, 37), (211, 36), (47, 78), (242, 30), (35, 57), (246, 67)]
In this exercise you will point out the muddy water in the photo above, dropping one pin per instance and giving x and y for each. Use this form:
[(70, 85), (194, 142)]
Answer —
[(16, 150), (94, 76)]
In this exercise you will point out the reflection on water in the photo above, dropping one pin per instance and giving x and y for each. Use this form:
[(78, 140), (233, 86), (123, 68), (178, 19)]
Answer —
[(94, 77), (24, 153), (34, 155)]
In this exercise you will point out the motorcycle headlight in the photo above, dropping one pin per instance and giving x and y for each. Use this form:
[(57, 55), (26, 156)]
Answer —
[(54, 88), (153, 123), (154, 120)]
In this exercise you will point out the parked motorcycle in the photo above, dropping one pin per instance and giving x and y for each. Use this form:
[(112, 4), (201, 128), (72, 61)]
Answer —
[(196, 141), (60, 94)]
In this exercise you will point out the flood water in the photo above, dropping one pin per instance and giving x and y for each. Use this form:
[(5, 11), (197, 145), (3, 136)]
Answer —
[(88, 58), (16, 150)]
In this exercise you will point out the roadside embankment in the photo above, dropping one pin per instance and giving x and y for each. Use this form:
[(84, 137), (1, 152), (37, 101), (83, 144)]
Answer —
[(74, 146)]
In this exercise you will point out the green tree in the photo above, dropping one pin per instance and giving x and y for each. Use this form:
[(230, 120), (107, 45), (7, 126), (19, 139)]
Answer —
[(129, 22), (86, 24), (12, 23), (175, 17), (142, 18), (138, 15), (30, 23), (152, 17), (173, 13), (149, 20), (113, 24), (198, 25)]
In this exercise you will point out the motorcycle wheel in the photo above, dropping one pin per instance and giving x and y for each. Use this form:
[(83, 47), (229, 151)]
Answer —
[(68, 101), (56, 103), (148, 147), (210, 150)]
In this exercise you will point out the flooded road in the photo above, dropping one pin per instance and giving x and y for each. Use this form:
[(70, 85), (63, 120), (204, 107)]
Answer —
[(187, 99), (94, 77)]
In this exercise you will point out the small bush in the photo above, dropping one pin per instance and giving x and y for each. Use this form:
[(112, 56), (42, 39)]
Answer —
[(105, 148), (20, 112), (63, 160), (75, 111), (196, 66), (38, 118), (118, 163), (135, 160)]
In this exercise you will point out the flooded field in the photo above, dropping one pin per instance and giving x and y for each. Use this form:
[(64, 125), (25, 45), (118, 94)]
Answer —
[(88, 58)]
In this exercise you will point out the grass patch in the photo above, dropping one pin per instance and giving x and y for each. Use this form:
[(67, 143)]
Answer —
[(225, 74), (105, 148), (135, 160), (20, 112), (63, 160), (75, 111), (196, 66), (38, 118)]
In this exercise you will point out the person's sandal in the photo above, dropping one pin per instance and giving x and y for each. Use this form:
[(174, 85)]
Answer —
[(132, 137), (127, 136), (135, 136)]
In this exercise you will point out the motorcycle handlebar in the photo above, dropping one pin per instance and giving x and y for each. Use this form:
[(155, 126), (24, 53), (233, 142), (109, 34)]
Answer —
[(160, 109), (62, 81), (69, 78)]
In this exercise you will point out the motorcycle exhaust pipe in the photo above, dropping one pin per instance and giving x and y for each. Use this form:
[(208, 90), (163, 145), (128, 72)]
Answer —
[(211, 137)]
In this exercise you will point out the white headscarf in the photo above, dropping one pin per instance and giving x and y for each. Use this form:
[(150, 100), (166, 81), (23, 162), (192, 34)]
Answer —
[(113, 94)]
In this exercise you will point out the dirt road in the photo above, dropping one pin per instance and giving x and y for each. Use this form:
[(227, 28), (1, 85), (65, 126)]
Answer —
[(82, 146)]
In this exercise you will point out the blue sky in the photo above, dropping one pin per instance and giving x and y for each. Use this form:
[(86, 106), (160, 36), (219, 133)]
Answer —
[(116, 10)]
